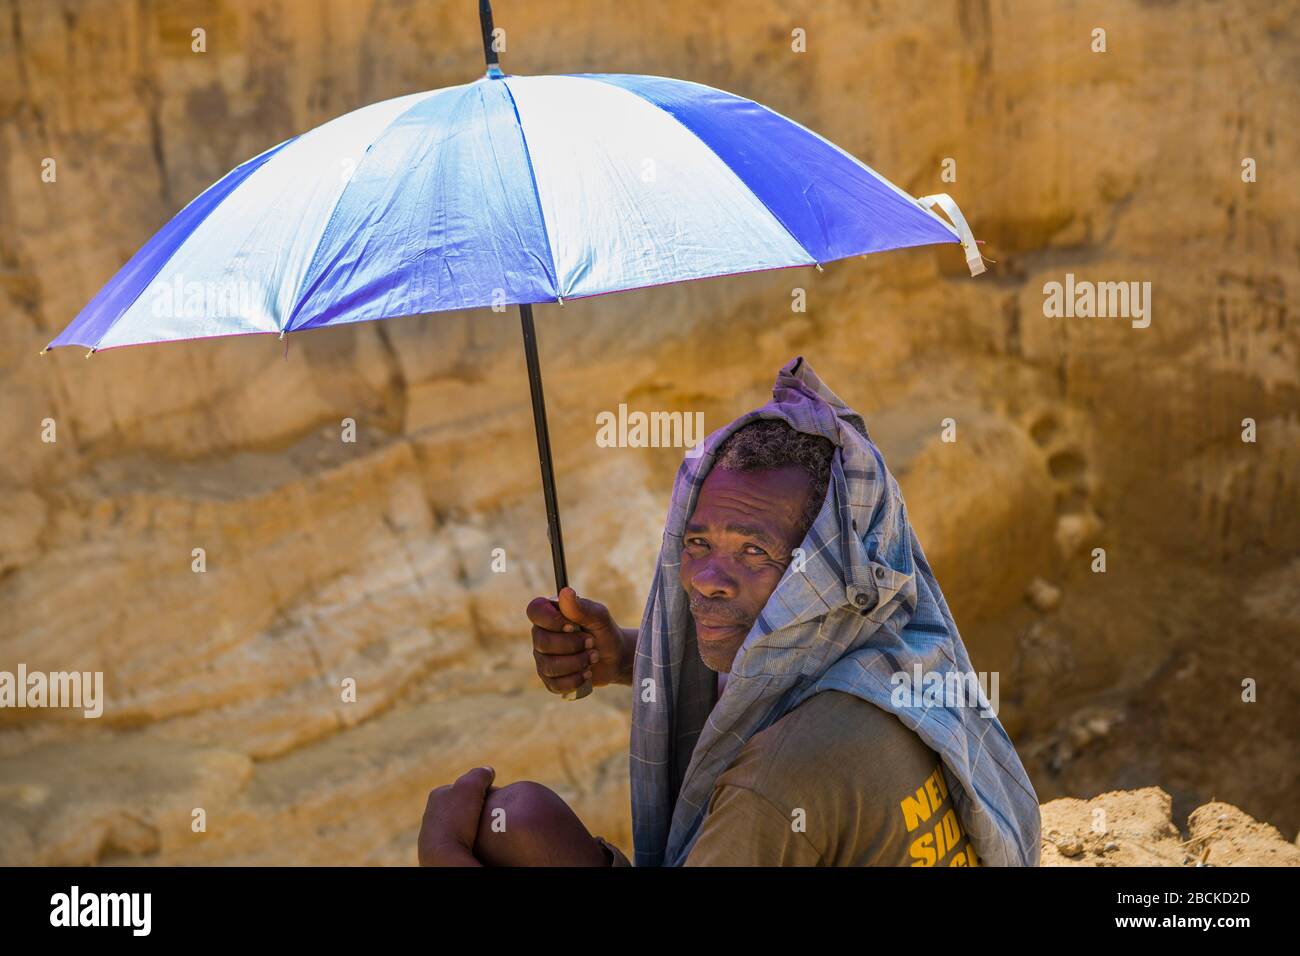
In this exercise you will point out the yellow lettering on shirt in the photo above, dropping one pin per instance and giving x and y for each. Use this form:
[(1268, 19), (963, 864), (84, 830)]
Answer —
[(929, 848), (918, 807), (932, 790), (922, 850)]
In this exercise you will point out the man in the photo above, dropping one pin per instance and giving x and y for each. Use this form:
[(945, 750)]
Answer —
[(791, 605)]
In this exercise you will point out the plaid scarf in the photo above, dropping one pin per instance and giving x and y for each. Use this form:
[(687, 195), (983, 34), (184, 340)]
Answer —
[(865, 606)]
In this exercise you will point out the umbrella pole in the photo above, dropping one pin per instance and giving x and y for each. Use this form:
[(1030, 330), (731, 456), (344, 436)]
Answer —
[(548, 473)]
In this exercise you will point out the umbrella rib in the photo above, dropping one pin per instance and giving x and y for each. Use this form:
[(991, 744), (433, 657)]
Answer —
[(537, 196), (307, 285), (898, 192), (263, 157), (884, 181), (699, 139)]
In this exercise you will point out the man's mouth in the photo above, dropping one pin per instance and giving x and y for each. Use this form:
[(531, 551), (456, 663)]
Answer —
[(717, 630), (714, 635)]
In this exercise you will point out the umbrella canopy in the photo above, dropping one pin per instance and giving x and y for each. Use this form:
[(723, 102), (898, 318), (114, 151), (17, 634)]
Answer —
[(507, 190)]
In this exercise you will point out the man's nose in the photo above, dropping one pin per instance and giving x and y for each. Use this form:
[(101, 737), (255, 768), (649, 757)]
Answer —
[(712, 580)]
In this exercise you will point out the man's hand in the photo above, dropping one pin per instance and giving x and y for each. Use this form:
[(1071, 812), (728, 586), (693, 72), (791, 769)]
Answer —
[(451, 819), (579, 640)]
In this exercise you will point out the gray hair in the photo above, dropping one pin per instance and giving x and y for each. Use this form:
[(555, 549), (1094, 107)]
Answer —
[(770, 443)]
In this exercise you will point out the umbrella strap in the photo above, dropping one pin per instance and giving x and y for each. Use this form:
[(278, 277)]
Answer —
[(973, 258)]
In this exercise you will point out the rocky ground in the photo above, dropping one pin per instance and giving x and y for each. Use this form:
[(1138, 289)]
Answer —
[(1135, 828)]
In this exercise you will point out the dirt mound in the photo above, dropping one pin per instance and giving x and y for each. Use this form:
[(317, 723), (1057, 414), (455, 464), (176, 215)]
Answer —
[(1136, 828)]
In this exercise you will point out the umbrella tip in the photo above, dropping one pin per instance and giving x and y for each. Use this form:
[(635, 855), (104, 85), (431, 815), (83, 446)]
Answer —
[(489, 39), (43, 351), (819, 267), (560, 299), (90, 353), (282, 333)]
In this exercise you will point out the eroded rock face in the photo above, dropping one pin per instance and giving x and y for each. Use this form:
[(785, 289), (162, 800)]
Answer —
[(380, 561)]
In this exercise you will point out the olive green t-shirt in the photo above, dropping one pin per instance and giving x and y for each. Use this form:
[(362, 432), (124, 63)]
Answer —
[(836, 782)]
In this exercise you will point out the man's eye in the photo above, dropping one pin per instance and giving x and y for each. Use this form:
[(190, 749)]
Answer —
[(695, 542), (755, 550)]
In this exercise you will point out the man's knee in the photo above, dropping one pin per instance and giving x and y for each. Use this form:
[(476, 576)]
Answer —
[(525, 806), (529, 824), (514, 823)]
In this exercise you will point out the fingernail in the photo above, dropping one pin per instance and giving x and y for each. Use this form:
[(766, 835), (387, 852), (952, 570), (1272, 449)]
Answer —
[(595, 657), (569, 628), (590, 643), (586, 675), (489, 770)]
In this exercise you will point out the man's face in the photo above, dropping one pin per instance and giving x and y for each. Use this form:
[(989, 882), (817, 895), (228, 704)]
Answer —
[(737, 544)]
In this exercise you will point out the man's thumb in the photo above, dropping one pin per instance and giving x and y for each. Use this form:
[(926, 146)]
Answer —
[(579, 610)]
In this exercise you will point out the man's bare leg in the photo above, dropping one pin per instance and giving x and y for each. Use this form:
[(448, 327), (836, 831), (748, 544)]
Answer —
[(528, 824)]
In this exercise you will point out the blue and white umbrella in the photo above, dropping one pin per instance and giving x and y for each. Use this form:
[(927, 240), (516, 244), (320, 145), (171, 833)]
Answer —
[(510, 190)]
